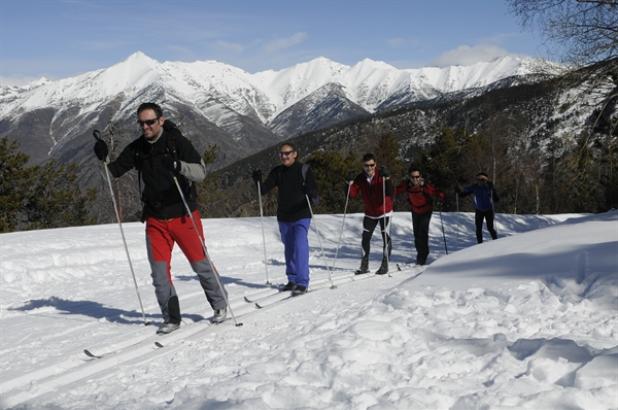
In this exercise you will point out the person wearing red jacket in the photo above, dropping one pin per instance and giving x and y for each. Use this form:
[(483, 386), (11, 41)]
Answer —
[(371, 184), (420, 197)]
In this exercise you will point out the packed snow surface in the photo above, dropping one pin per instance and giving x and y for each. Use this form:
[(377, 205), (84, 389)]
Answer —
[(527, 321)]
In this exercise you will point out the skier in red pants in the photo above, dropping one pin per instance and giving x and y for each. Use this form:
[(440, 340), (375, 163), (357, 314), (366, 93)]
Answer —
[(160, 153)]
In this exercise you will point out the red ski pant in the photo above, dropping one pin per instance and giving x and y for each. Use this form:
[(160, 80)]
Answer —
[(161, 235)]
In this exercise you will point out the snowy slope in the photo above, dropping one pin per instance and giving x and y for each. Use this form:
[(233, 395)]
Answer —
[(527, 321)]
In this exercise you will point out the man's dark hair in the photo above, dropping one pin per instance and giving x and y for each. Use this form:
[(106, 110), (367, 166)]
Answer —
[(414, 168), (368, 157), (288, 144), (150, 106)]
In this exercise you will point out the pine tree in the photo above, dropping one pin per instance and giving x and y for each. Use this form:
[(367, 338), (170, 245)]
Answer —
[(13, 175), (331, 169), (35, 197)]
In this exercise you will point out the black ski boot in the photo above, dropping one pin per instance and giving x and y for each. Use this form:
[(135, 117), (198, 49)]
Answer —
[(288, 286), (383, 268), (364, 268), (299, 290)]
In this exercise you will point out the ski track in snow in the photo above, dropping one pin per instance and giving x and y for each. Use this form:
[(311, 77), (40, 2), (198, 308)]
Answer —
[(523, 322)]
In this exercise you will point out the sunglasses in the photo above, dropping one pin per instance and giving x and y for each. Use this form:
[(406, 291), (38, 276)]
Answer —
[(150, 122), (369, 165), (415, 176), (285, 153)]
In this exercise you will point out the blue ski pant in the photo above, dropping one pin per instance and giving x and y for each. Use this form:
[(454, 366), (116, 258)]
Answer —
[(296, 248)]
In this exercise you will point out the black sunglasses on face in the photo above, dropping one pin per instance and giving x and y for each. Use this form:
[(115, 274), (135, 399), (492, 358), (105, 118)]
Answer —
[(147, 122), (285, 153), (369, 165), (415, 176)]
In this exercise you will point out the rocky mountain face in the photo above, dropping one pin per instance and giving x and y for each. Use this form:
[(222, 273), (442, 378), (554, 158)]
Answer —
[(536, 116), (241, 113)]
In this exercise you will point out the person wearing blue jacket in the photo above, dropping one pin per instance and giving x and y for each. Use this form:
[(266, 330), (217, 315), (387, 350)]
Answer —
[(485, 196)]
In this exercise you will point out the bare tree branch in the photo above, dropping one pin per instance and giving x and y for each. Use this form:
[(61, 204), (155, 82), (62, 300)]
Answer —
[(586, 29)]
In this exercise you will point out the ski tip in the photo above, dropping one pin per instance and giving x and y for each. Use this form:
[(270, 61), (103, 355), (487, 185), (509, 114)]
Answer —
[(257, 305), (90, 354), (239, 324), (247, 299), (158, 344)]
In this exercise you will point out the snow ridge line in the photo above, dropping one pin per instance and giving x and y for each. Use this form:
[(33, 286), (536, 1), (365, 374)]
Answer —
[(74, 370)]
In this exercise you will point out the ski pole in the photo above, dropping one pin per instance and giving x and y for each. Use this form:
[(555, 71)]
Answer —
[(97, 136), (345, 209), (387, 225), (201, 239), (317, 232), (259, 189), (443, 234)]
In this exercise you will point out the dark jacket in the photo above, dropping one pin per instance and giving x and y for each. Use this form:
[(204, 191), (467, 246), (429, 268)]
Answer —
[(484, 195), (160, 195), (419, 197), (292, 188), (372, 194)]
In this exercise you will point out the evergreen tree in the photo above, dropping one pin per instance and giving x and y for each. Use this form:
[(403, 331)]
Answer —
[(331, 169), (13, 177), (208, 190), (387, 154), (443, 165), (39, 197)]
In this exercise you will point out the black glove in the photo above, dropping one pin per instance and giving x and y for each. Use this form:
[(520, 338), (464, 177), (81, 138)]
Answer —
[(257, 176), (172, 165), (384, 172), (101, 150), (351, 176)]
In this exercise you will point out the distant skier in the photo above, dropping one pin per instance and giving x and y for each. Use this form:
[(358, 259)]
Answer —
[(158, 154), (420, 196), (295, 183), (485, 196), (378, 208)]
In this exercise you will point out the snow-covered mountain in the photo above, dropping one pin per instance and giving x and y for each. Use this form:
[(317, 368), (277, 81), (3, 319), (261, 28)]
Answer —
[(262, 95), (322, 108), (215, 103), (229, 98)]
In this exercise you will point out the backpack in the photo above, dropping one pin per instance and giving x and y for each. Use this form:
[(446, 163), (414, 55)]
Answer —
[(303, 171)]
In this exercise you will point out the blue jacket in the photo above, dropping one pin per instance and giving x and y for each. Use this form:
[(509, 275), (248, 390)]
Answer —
[(484, 195)]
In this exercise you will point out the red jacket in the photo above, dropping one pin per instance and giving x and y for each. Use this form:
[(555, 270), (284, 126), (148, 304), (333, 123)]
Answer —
[(372, 194), (419, 197)]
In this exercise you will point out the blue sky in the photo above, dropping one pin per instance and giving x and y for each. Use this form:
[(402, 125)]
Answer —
[(60, 38)]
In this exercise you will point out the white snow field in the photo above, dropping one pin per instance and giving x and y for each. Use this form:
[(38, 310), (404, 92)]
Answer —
[(528, 321)]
